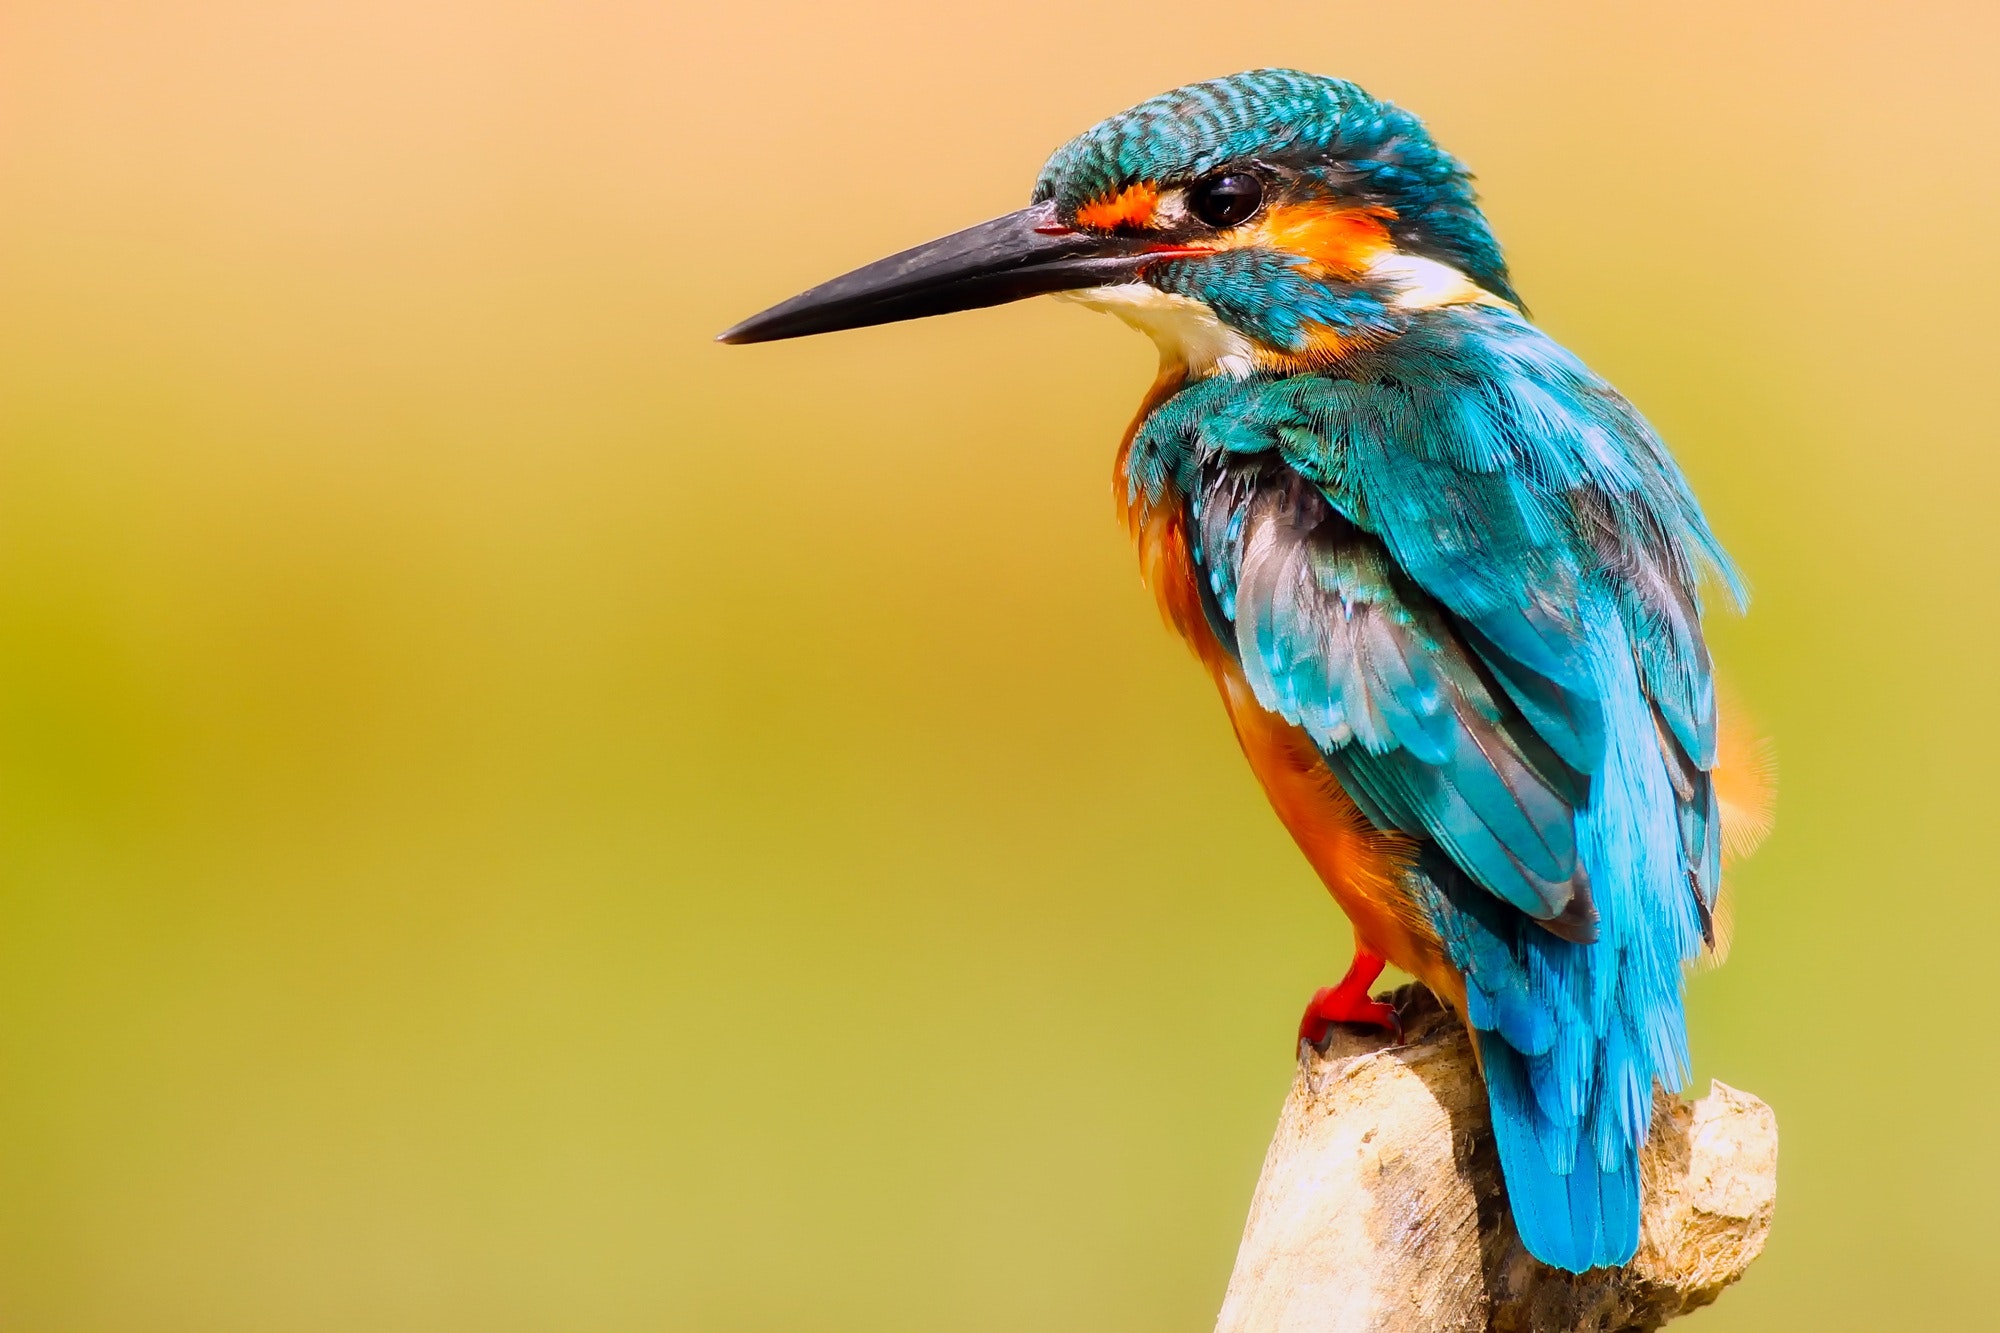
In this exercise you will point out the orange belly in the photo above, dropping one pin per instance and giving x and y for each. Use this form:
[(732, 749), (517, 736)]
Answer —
[(1361, 866)]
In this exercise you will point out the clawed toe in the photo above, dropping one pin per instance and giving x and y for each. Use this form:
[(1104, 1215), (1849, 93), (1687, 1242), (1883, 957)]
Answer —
[(1350, 1002)]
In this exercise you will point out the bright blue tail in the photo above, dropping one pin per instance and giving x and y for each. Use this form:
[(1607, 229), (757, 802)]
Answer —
[(1574, 1035), (1569, 1087), (1586, 1217)]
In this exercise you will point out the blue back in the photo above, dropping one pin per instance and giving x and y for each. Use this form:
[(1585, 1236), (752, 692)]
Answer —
[(1467, 568)]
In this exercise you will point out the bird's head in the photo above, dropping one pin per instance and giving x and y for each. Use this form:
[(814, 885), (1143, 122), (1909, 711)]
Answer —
[(1271, 219)]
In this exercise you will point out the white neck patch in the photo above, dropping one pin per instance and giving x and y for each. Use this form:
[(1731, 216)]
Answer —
[(1425, 284)]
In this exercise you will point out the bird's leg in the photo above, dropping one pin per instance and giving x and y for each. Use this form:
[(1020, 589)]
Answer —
[(1349, 1002)]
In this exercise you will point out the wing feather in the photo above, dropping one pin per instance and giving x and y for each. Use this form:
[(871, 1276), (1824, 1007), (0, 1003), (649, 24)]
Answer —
[(1333, 637), (1434, 639)]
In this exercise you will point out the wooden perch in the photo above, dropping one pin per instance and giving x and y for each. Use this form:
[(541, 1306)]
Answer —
[(1380, 1207)]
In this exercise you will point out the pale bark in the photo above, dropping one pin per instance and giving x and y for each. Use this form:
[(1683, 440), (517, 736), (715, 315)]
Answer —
[(1380, 1207)]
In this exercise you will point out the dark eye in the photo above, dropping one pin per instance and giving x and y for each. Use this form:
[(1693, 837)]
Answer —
[(1225, 200)]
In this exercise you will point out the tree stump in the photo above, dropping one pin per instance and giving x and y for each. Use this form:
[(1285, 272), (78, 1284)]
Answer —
[(1380, 1207)]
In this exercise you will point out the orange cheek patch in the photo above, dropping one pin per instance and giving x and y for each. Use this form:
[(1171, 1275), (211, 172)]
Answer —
[(1132, 206), (1341, 241)]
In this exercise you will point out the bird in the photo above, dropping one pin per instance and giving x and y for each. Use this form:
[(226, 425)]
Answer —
[(1448, 582)]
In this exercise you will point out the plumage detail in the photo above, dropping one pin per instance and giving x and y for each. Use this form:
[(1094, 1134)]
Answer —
[(1132, 206), (1466, 569)]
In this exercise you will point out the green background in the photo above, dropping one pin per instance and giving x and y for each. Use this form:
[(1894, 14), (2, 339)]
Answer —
[(513, 816)]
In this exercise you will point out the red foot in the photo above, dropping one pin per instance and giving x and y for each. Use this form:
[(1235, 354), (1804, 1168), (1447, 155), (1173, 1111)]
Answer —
[(1349, 1002)]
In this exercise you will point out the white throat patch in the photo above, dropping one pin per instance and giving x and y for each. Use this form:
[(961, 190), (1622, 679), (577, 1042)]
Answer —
[(1186, 331)]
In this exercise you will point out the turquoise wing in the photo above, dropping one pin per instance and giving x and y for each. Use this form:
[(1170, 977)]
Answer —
[(1468, 569), (1334, 636)]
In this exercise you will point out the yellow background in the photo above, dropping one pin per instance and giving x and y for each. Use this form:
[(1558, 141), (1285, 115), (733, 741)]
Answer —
[(513, 816)]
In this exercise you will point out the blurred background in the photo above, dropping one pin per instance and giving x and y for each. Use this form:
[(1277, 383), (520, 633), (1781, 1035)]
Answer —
[(513, 816)]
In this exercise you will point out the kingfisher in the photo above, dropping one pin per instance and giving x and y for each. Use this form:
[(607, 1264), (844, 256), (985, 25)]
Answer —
[(1447, 581)]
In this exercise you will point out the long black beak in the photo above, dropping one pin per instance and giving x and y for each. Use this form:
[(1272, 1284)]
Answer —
[(1022, 254)]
